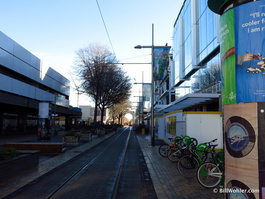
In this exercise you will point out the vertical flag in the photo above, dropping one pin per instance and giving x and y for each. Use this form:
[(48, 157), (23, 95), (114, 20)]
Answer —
[(160, 62)]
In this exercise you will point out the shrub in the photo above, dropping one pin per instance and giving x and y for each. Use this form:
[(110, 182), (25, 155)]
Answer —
[(8, 153)]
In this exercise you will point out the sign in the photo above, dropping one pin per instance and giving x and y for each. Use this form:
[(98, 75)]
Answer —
[(243, 55), (43, 110)]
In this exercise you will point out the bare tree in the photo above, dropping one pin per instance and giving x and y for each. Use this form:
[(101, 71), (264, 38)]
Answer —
[(117, 111), (101, 78), (115, 90), (209, 77)]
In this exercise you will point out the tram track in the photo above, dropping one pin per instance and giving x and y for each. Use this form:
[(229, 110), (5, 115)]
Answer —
[(70, 171), (79, 172), (99, 172)]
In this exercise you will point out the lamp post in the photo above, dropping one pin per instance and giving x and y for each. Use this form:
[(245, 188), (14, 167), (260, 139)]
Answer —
[(152, 83)]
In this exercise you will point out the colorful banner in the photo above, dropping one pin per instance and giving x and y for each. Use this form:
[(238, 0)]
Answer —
[(227, 52), (242, 56), (250, 40), (160, 62)]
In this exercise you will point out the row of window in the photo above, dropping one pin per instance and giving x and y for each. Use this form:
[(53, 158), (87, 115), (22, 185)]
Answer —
[(193, 43)]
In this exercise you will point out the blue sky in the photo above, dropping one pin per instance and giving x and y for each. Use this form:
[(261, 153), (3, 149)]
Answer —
[(54, 30)]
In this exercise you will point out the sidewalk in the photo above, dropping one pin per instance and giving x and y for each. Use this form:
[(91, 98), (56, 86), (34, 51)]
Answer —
[(168, 183)]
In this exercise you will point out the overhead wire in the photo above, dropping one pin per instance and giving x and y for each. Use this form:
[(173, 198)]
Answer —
[(105, 27)]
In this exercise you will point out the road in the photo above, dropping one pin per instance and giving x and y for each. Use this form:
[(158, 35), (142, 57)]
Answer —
[(115, 168)]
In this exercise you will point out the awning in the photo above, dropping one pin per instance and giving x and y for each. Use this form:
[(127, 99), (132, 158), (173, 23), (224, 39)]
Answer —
[(190, 100)]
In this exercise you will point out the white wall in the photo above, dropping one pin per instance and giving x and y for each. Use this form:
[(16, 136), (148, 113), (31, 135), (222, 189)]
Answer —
[(163, 131), (205, 126)]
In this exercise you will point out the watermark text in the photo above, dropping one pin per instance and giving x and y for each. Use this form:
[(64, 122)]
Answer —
[(235, 190)]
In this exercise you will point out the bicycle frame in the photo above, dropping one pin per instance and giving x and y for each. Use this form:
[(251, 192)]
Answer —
[(215, 174)]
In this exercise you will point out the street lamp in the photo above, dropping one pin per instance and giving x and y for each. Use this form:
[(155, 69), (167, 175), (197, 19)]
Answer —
[(152, 82)]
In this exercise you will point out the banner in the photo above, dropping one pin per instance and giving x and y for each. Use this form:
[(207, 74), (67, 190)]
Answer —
[(228, 59), (160, 62), (250, 40), (147, 96)]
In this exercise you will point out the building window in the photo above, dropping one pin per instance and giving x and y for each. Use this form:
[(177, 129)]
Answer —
[(10, 122), (32, 123)]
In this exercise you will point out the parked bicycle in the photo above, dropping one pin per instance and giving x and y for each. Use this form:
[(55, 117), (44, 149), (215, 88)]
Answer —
[(188, 164), (181, 149), (210, 174), (164, 148)]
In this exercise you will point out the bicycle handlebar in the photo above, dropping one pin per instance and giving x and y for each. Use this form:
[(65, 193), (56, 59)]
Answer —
[(209, 143)]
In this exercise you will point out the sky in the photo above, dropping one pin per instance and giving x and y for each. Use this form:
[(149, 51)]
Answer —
[(54, 30)]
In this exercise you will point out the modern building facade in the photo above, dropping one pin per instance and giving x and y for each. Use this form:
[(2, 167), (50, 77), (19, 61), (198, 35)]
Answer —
[(188, 102), (23, 87)]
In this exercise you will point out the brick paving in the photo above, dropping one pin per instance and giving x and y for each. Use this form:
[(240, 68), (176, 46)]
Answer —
[(168, 183)]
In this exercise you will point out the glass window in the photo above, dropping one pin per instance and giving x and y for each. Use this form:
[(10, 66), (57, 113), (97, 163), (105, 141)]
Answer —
[(176, 68), (187, 23), (188, 54), (207, 37), (203, 32), (32, 122), (10, 122)]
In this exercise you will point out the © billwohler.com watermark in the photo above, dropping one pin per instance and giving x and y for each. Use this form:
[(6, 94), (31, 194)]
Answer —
[(235, 190)]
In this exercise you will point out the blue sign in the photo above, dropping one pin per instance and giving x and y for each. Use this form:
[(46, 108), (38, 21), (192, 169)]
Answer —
[(250, 52)]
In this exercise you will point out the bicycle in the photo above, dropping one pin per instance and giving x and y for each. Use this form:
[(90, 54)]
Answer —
[(188, 165), (175, 153), (210, 174), (164, 148)]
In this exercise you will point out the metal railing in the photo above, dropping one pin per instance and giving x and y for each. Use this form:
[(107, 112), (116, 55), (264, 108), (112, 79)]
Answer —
[(213, 88)]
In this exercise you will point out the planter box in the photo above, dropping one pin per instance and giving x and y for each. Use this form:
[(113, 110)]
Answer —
[(71, 140), (46, 147), (26, 160), (86, 136), (102, 132)]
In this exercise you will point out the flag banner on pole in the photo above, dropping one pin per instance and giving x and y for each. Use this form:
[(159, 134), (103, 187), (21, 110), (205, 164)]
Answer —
[(160, 62)]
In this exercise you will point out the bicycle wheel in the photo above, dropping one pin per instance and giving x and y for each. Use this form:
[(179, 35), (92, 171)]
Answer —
[(209, 175), (187, 166), (163, 150), (219, 158), (177, 140), (185, 140), (174, 154)]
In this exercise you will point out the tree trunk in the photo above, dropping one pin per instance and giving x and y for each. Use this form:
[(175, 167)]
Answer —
[(120, 119), (95, 113), (102, 114)]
